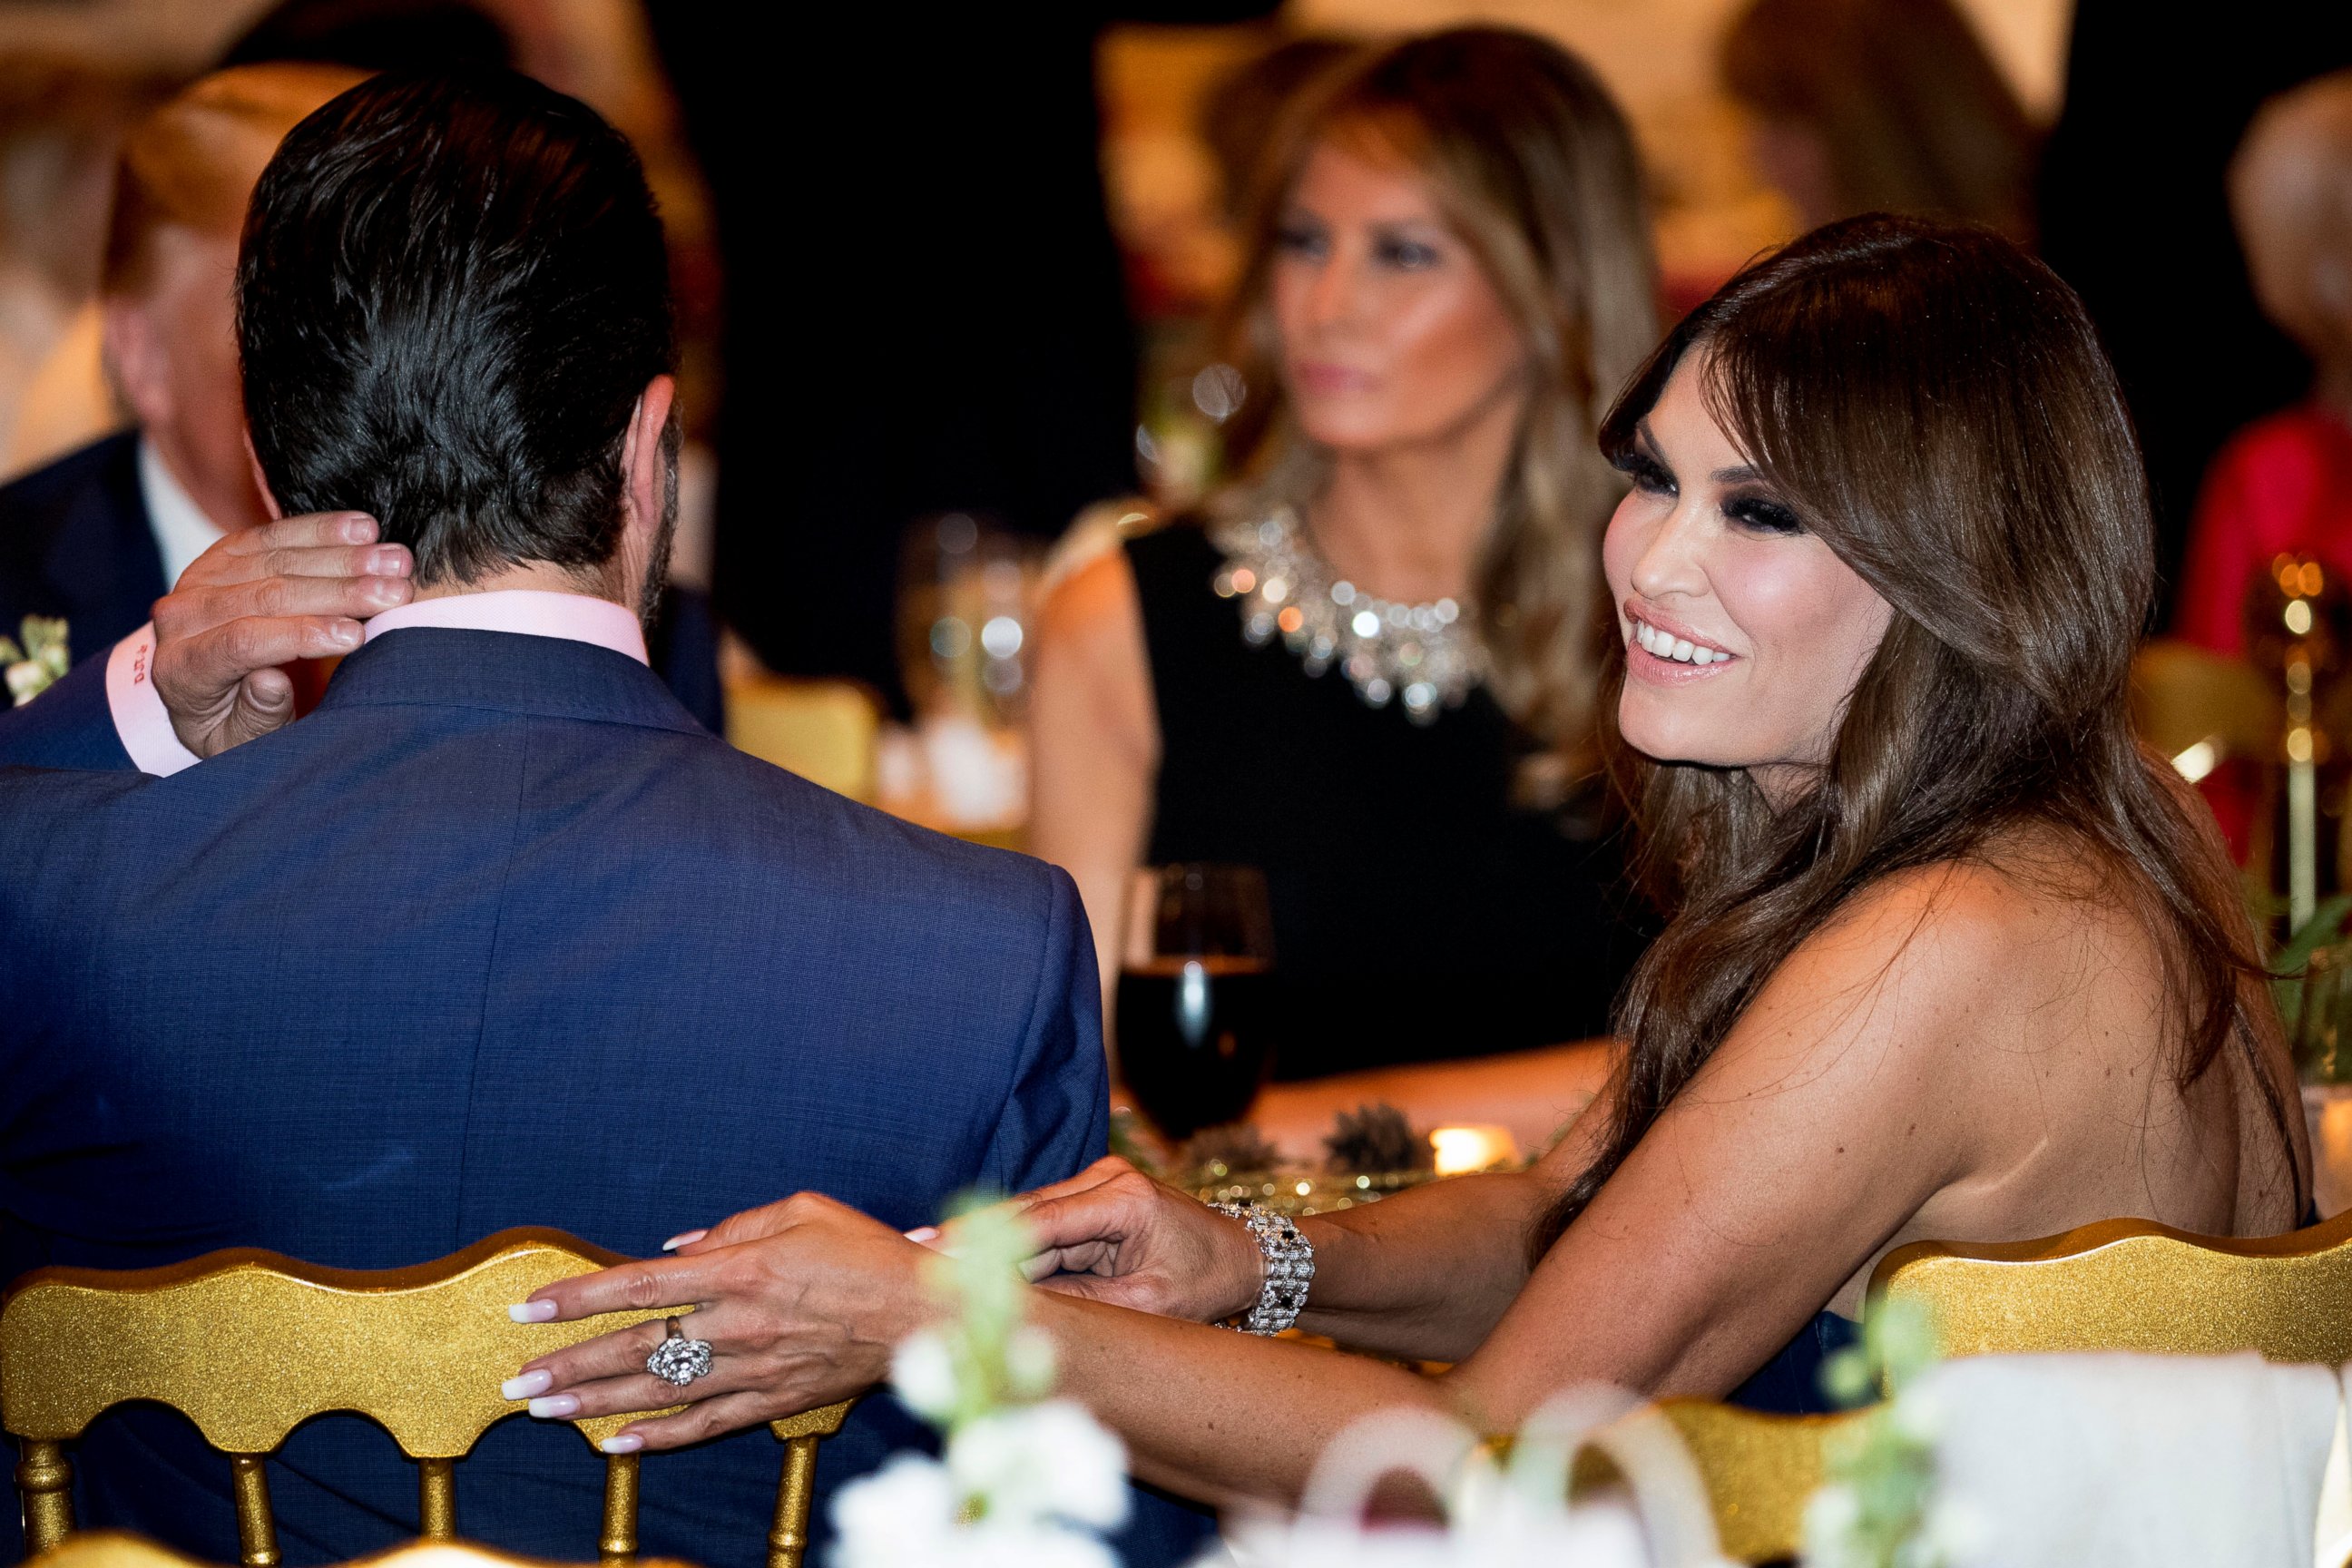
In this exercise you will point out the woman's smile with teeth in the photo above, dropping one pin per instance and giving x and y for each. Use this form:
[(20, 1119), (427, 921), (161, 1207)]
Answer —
[(1665, 645)]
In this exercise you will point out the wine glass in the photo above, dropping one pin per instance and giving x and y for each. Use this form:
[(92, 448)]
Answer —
[(1193, 1003), (964, 591)]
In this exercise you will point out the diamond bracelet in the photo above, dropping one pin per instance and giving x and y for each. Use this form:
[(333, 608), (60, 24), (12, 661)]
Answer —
[(1289, 1268)]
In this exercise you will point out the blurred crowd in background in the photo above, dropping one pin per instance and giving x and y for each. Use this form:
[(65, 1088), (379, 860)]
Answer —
[(960, 287), (957, 260)]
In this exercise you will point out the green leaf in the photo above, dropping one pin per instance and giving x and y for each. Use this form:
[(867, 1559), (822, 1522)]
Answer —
[(2291, 962)]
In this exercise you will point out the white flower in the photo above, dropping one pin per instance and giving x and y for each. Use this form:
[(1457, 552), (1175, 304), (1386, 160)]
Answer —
[(1830, 1517), (1040, 1461), (902, 1515), (1027, 1546), (1029, 1363), (923, 1372), (1918, 1414), (26, 679), (1324, 1543)]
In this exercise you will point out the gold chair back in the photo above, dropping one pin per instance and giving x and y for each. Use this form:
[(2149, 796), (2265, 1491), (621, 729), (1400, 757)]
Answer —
[(2184, 696), (824, 731), (113, 1549), (2117, 1285), (1759, 1470), (2135, 1285), (250, 1344)]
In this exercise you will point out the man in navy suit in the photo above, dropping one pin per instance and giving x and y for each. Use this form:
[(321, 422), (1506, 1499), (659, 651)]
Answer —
[(499, 935), (99, 535)]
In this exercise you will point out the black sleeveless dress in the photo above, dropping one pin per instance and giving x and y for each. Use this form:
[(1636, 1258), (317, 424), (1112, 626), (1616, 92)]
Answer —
[(1418, 914)]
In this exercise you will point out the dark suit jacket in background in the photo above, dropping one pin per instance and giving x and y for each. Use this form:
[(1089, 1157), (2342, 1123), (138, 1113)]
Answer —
[(498, 936), (76, 541)]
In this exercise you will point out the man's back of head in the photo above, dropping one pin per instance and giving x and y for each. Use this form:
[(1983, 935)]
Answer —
[(499, 935), (452, 295)]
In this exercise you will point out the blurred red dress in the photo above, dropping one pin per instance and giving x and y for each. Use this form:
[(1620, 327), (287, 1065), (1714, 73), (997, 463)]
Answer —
[(2282, 485)]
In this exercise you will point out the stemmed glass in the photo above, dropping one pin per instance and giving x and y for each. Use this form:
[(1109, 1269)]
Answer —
[(1193, 1002)]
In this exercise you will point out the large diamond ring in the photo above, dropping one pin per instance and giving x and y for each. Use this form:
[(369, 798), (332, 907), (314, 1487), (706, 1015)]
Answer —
[(678, 1360)]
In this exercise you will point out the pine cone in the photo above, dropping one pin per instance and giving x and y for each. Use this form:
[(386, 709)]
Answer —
[(1236, 1146), (1373, 1139)]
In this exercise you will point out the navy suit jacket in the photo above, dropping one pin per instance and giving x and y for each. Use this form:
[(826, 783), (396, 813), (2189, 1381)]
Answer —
[(76, 541), (498, 936)]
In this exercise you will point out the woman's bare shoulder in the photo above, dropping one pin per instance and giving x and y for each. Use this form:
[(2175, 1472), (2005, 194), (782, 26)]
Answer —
[(2002, 904), (1094, 607), (1945, 919), (1093, 672), (1933, 960)]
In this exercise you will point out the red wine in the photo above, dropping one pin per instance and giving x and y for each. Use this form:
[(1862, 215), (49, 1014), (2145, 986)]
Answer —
[(1192, 1039)]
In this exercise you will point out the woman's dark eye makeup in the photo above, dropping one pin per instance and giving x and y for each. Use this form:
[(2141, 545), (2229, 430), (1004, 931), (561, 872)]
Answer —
[(1648, 474), (1755, 512), (1761, 514)]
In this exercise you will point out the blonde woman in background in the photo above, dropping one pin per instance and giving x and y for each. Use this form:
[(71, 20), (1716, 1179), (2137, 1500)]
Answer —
[(1370, 667)]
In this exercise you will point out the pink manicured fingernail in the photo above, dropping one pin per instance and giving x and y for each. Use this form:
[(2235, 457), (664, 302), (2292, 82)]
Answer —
[(682, 1239), (626, 1443), (526, 1385), (359, 528), (391, 560), (926, 1234), (555, 1406), (345, 634), (532, 1311)]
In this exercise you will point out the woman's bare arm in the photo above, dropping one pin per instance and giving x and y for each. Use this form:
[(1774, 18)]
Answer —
[(1094, 743), (1857, 1088)]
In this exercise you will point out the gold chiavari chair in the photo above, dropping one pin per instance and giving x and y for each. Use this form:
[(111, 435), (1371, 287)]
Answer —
[(249, 1344), (824, 730), (2135, 1285), (2183, 697), (2129, 1285), (1759, 1472), (113, 1549)]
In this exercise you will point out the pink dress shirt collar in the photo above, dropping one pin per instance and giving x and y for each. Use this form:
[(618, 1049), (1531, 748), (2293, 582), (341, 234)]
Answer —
[(531, 612), (145, 729)]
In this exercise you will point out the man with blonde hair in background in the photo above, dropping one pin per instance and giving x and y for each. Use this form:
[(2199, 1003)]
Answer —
[(102, 534)]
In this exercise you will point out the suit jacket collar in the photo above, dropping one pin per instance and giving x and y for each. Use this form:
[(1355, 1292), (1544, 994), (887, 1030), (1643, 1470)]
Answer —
[(102, 560), (507, 672)]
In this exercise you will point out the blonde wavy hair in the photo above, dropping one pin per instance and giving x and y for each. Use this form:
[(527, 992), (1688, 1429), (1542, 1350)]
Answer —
[(1532, 164)]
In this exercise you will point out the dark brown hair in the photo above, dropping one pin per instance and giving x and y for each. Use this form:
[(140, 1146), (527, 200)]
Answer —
[(1912, 111), (1933, 405), (1534, 169), (451, 294)]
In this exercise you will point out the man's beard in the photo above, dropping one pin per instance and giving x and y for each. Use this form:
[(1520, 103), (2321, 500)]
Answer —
[(658, 559)]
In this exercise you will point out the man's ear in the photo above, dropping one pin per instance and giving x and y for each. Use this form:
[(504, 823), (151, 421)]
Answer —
[(260, 479), (134, 355), (644, 473)]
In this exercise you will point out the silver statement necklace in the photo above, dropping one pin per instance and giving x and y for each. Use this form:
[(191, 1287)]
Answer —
[(1428, 657)]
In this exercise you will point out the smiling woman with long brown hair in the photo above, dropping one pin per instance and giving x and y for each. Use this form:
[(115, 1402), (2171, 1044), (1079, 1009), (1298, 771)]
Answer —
[(1952, 958), (1370, 667)]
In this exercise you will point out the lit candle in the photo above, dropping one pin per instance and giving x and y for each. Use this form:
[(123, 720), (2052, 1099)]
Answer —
[(1461, 1149)]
